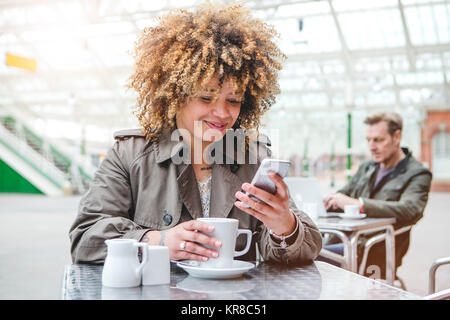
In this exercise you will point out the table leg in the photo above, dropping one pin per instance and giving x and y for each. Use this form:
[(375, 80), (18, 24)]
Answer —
[(347, 246), (354, 252), (347, 253), (390, 254)]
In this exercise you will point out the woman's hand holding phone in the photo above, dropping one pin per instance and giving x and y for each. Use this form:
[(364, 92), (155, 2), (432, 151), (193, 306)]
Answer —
[(274, 211)]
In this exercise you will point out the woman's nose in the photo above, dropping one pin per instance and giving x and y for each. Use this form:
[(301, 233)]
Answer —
[(221, 109)]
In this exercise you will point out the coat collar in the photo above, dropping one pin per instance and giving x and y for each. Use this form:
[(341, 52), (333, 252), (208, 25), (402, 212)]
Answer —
[(169, 146), (397, 170), (400, 166), (225, 182)]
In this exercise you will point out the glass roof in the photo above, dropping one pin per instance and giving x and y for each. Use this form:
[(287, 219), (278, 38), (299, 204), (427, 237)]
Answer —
[(343, 56)]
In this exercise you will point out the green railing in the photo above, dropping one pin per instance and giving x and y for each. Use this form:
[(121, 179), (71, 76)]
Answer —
[(45, 148), (32, 165), (60, 160)]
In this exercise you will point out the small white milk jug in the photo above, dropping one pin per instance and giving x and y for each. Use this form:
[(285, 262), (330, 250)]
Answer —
[(122, 268)]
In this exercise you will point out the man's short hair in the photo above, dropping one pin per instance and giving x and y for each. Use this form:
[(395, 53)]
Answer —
[(393, 120)]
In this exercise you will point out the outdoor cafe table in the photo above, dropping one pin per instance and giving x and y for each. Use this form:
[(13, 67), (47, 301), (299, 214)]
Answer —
[(349, 230), (267, 281)]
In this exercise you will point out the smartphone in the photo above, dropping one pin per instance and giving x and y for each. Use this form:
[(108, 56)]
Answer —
[(262, 180)]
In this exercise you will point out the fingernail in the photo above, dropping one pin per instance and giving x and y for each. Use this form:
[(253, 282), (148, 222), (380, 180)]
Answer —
[(215, 254), (245, 186), (218, 243), (204, 258), (211, 228)]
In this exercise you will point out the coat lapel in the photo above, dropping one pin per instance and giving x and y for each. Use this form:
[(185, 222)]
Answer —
[(189, 194), (224, 186)]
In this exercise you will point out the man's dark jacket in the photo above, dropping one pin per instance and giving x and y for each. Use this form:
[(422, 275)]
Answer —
[(402, 194)]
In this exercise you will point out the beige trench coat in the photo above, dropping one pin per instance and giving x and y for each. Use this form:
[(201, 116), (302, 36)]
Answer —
[(139, 187)]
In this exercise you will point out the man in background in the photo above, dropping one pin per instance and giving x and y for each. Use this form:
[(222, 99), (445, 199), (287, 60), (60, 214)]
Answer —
[(392, 184)]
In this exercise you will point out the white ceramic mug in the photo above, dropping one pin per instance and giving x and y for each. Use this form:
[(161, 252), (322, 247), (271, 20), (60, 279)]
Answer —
[(225, 230), (157, 269), (122, 268), (351, 210)]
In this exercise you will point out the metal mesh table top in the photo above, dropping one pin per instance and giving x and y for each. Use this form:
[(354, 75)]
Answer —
[(353, 224), (267, 281)]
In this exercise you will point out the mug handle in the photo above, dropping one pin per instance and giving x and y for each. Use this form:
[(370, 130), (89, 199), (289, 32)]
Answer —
[(247, 246), (144, 256)]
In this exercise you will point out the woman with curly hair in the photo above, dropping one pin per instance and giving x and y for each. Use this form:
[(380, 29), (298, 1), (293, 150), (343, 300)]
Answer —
[(202, 74)]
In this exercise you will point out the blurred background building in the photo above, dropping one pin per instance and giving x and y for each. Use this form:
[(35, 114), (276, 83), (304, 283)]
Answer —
[(63, 71), (65, 64)]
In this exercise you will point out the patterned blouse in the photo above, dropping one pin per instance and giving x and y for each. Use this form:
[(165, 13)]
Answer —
[(204, 188)]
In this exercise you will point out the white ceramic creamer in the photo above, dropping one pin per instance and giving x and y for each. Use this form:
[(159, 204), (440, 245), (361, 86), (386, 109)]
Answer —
[(122, 268)]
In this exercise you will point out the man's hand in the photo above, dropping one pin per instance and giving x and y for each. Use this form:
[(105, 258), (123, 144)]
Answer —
[(339, 200)]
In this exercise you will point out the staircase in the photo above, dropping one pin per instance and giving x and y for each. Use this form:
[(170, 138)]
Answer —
[(39, 161)]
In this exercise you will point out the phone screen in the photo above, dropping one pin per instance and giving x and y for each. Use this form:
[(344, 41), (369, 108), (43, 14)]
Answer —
[(261, 178)]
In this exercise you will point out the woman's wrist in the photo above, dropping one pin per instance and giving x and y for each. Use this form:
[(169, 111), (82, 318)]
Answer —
[(292, 227), (291, 230), (152, 237), (286, 240)]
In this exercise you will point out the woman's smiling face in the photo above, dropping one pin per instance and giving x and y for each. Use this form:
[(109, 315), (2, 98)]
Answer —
[(213, 111)]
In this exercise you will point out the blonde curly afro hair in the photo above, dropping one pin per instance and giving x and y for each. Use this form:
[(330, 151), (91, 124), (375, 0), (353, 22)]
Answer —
[(185, 50)]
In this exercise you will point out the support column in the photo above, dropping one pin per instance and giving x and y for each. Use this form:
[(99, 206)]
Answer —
[(349, 146)]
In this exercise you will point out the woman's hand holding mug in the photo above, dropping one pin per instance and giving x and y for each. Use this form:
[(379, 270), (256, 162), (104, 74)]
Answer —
[(186, 242)]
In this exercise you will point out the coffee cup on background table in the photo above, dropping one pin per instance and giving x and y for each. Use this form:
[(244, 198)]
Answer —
[(351, 210)]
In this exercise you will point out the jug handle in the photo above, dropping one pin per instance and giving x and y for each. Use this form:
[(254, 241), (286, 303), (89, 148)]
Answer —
[(144, 256)]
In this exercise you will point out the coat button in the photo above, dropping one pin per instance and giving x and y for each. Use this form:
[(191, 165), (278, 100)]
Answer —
[(167, 219)]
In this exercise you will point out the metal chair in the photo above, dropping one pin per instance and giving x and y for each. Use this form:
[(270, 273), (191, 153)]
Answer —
[(432, 295), (377, 239), (345, 260), (432, 276)]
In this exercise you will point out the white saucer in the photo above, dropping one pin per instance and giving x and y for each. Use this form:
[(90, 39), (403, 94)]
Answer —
[(331, 215), (237, 269), (216, 286), (360, 216)]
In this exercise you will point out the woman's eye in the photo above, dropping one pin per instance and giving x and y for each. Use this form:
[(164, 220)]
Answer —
[(234, 101), (206, 99)]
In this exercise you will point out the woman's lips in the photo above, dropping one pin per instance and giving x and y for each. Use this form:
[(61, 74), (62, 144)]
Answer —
[(216, 125)]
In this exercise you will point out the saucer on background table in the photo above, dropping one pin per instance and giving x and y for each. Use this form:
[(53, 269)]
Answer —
[(236, 270), (331, 215), (360, 216)]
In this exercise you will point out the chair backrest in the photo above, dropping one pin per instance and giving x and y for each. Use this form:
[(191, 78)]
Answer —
[(432, 273)]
